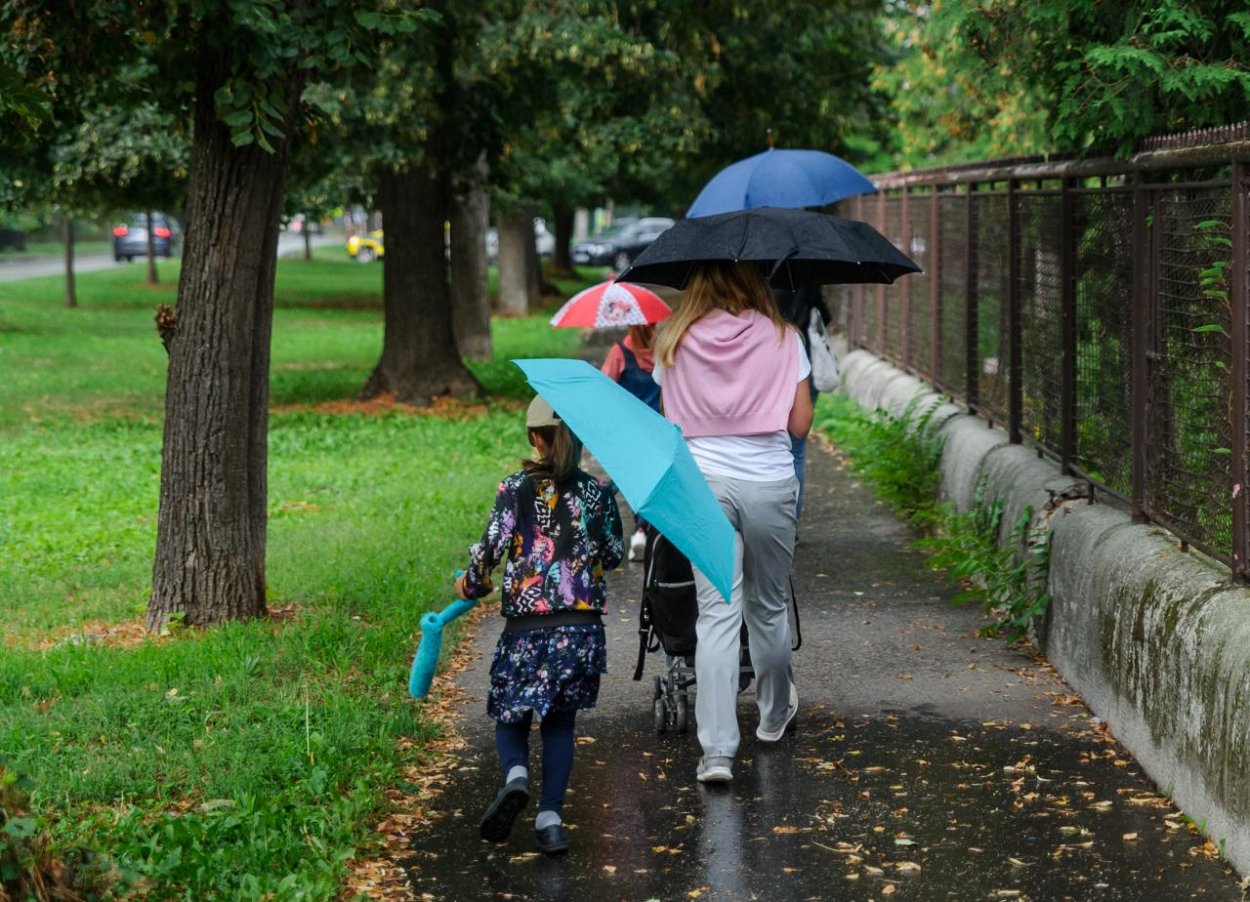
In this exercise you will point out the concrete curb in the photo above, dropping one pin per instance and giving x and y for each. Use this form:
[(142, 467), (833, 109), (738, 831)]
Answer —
[(1155, 639)]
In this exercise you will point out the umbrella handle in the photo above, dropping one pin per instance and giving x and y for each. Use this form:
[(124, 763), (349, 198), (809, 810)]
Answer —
[(425, 661), (781, 262)]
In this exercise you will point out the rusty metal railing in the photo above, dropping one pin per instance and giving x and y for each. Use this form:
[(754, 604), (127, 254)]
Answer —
[(1098, 310)]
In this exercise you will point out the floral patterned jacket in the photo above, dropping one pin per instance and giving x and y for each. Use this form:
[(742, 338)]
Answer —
[(556, 545)]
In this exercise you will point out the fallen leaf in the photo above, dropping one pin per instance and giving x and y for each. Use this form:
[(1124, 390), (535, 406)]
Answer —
[(609, 868), (907, 867), (1129, 837)]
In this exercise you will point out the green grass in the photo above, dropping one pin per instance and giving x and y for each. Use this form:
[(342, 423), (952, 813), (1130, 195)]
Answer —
[(248, 759)]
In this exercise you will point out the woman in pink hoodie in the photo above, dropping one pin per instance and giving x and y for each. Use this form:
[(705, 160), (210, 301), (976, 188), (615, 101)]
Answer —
[(734, 376)]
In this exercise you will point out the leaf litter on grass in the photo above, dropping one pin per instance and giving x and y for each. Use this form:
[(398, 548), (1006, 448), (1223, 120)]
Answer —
[(384, 875)]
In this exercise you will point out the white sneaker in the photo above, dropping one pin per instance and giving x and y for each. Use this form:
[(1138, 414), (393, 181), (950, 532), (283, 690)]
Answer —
[(714, 770), (637, 545), (791, 712)]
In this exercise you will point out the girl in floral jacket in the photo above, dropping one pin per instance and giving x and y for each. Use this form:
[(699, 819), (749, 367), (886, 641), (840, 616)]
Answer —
[(555, 529)]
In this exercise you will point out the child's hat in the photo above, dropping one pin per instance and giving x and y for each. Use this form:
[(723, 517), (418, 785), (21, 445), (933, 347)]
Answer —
[(540, 414)]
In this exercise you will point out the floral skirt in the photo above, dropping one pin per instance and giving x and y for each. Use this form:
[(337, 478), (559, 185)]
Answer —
[(551, 668)]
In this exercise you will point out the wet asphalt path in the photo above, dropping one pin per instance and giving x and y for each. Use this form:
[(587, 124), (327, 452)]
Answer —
[(928, 764)]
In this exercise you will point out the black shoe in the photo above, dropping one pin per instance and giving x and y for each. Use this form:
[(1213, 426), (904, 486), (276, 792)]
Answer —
[(497, 822), (553, 840)]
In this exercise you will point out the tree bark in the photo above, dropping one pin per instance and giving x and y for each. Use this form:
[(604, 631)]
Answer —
[(67, 235), (516, 233), (564, 238), (470, 293), (419, 359), (533, 269), (307, 230), (210, 543), (153, 278)]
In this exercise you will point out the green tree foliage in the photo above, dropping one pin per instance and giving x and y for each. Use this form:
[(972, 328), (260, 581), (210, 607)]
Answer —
[(594, 104), (802, 70), (982, 78)]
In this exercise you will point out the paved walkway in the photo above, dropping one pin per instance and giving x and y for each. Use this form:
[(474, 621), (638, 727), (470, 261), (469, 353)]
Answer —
[(928, 763)]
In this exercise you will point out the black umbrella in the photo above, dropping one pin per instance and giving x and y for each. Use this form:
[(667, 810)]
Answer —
[(796, 246)]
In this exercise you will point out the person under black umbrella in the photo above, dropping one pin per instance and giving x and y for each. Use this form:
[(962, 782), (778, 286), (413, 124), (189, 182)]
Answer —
[(796, 305)]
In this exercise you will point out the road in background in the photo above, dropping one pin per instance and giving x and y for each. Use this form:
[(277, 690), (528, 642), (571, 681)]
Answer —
[(15, 267)]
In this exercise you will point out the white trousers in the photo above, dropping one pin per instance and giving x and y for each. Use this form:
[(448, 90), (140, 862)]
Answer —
[(765, 524)]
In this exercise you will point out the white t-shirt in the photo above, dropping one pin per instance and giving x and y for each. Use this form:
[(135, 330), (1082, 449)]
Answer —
[(763, 457)]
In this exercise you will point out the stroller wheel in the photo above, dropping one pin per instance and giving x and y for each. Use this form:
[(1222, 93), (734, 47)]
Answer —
[(661, 719), (683, 712), (657, 689)]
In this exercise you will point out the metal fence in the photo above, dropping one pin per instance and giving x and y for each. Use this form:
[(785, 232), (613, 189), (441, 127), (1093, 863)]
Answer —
[(1098, 310)]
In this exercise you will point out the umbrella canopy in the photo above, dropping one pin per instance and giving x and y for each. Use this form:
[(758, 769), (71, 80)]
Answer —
[(798, 247), (646, 457), (611, 304), (780, 178)]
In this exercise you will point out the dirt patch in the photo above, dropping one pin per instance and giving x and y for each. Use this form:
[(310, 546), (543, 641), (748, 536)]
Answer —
[(445, 407), (128, 633)]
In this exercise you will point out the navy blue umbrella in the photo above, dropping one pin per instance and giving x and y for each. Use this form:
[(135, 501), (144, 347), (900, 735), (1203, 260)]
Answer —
[(780, 178)]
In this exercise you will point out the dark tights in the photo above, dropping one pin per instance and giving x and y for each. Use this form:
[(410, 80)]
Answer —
[(512, 741)]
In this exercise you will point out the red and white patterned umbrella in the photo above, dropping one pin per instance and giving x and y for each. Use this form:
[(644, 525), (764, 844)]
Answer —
[(610, 304)]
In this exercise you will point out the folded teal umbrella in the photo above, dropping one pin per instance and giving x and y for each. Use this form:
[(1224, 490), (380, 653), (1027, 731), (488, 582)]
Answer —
[(646, 457)]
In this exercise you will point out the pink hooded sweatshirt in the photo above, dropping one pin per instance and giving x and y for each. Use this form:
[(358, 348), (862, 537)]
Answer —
[(732, 375)]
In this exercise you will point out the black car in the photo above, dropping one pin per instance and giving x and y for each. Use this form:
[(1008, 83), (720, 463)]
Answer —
[(130, 239), (617, 247)]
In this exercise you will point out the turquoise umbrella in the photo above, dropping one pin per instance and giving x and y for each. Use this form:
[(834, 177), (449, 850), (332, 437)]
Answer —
[(646, 457)]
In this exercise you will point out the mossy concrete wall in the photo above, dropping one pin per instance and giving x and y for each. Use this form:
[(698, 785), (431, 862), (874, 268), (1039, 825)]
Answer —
[(1156, 640)]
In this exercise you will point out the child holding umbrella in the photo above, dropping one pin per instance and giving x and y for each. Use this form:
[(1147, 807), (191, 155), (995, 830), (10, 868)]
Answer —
[(556, 529)]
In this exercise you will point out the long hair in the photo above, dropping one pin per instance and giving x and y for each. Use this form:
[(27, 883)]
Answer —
[(732, 287), (557, 460), (642, 337)]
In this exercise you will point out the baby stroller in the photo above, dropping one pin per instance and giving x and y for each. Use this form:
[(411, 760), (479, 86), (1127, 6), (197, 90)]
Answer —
[(667, 617)]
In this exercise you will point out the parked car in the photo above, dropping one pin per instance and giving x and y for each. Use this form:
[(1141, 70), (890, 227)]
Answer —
[(366, 248), (544, 241), (130, 239), (619, 245)]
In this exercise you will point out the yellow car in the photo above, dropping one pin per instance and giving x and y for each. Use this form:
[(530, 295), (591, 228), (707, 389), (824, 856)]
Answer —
[(366, 248)]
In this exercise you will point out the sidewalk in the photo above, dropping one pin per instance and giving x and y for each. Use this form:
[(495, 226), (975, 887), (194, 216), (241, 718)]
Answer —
[(928, 763)]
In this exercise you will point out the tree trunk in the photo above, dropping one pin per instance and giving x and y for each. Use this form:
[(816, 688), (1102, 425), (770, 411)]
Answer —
[(470, 293), (564, 238), (67, 235), (307, 229), (516, 233), (533, 269), (210, 542), (419, 359), (153, 278)]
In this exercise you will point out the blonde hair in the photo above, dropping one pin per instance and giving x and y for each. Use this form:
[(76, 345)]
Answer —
[(732, 287), (556, 459)]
